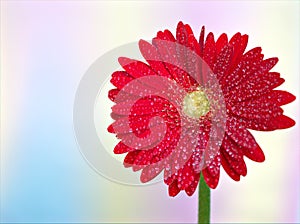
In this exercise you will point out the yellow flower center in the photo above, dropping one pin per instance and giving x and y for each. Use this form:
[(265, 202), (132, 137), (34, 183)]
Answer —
[(196, 104)]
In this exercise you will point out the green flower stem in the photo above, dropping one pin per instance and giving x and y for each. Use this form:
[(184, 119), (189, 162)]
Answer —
[(204, 202)]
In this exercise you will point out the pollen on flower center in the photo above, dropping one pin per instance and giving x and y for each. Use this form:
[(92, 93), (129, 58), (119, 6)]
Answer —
[(196, 104)]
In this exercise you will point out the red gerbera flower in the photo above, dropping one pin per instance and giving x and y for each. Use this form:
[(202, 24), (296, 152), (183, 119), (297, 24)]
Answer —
[(169, 124)]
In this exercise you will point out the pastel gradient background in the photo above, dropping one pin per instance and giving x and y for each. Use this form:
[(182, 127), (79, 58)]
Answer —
[(46, 47)]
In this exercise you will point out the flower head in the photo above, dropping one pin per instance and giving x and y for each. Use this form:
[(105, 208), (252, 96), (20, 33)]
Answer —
[(188, 109)]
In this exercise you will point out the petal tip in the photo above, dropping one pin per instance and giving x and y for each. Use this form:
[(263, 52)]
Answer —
[(179, 24), (110, 129)]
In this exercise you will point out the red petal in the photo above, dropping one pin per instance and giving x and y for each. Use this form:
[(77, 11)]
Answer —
[(255, 153), (227, 167), (181, 34), (166, 35), (280, 122), (141, 107), (112, 94), (117, 95), (257, 84), (201, 40), (110, 129), (260, 108), (199, 153), (185, 179), (141, 123), (183, 151), (262, 86), (233, 154), (244, 69), (188, 58), (175, 57), (115, 116), (240, 135), (135, 68), (193, 186), (147, 106), (222, 63), (209, 51), (173, 189), (185, 37), (118, 126), (120, 78), (165, 50), (211, 173), (151, 54), (125, 126), (279, 97), (182, 77), (244, 139), (151, 172), (173, 62), (221, 42), (186, 176), (239, 44), (283, 122), (130, 157), (168, 176), (121, 148), (160, 151), (192, 42)]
